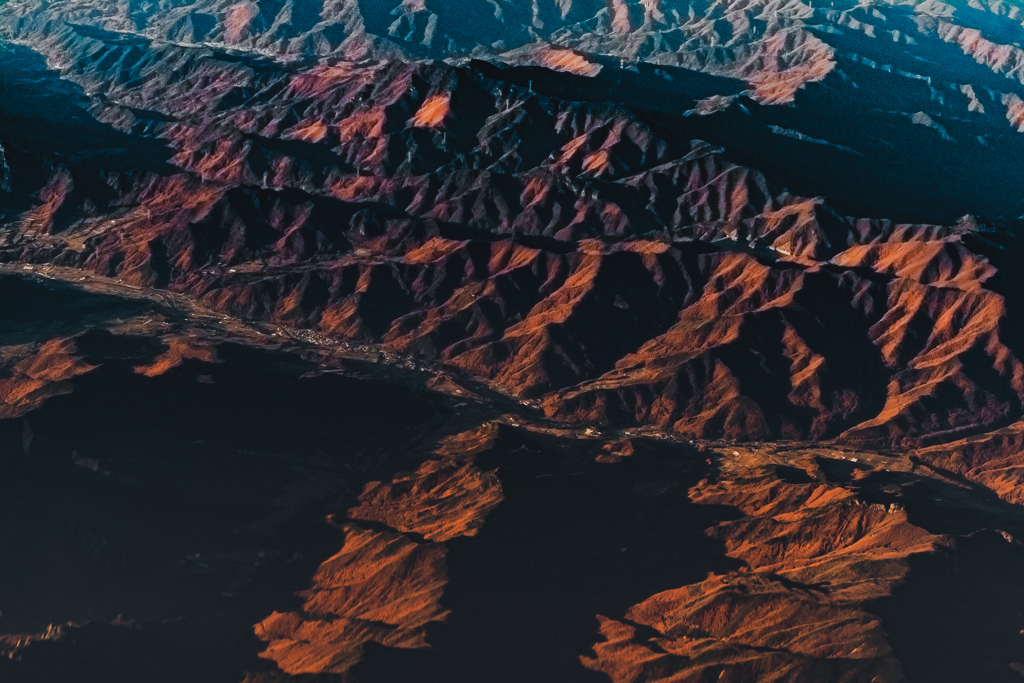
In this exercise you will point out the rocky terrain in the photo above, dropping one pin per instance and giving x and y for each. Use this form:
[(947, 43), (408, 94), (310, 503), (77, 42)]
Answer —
[(568, 340)]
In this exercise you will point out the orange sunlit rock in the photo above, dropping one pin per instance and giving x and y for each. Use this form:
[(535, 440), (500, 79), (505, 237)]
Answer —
[(568, 61), (44, 374), (432, 112), (380, 588)]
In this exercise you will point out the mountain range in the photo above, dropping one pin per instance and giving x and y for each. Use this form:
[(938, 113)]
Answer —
[(641, 340)]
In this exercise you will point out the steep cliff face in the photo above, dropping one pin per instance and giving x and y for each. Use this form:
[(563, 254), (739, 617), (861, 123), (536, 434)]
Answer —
[(714, 221)]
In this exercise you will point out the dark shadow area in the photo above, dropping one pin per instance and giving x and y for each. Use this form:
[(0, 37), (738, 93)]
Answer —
[(167, 515), (839, 471), (34, 310), (573, 539), (44, 115), (677, 89), (793, 475), (957, 617)]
